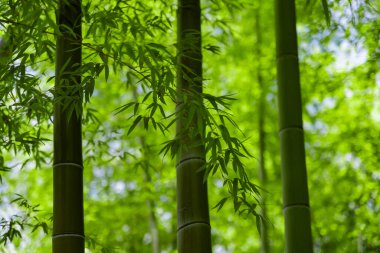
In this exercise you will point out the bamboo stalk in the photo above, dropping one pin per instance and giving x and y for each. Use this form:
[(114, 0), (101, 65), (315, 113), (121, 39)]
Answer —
[(194, 231), (294, 177), (68, 221)]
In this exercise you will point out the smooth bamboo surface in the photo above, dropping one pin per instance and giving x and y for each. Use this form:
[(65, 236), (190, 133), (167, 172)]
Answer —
[(298, 236), (68, 221), (194, 232)]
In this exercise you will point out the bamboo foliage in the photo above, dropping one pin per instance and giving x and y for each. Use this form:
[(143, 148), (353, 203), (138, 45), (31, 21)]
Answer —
[(68, 224), (294, 179), (192, 202)]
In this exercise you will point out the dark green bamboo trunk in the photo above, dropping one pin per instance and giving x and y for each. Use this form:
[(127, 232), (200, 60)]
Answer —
[(264, 237), (294, 177), (68, 225), (192, 204)]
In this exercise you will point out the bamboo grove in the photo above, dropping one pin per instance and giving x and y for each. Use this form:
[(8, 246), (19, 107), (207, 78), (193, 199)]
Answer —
[(189, 126)]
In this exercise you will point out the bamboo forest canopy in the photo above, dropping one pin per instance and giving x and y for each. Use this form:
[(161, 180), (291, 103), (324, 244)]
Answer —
[(153, 89)]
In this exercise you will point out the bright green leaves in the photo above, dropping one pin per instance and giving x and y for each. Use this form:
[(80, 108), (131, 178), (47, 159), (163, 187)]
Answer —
[(172, 146), (126, 106), (12, 227), (104, 58), (135, 122), (212, 48), (22, 104), (94, 244), (12, 230), (221, 203), (90, 72), (226, 153), (89, 86), (28, 28), (238, 190), (325, 6), (122, 34), (149, 117)]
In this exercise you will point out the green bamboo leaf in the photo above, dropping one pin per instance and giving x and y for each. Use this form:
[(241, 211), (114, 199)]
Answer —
[(147, 96), (146, 122), (235, 187), (165, 148), (45, 227), (258, 224), (123, 107), (326, 11), (237, 204), (221, 203), (134, 124), (216, 166), (157, 46), (154, 123), (227, 155), (162, 111), (49, 79), (223, 165), (212, 48), (106, 71), (135, 109)]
